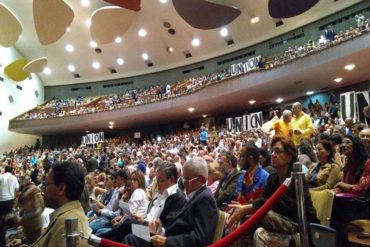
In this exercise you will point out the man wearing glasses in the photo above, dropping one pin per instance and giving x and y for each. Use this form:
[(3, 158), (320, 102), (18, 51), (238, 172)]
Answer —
[(195, 224), (64, 186)]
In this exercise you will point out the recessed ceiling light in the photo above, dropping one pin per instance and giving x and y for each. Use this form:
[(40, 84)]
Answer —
[(120, 61), (71, 68), (85, 3), (252, 101), (111, 126), (118, 40), (20, 36), (169, 49), (145, 56), (87, 131), (111, 123), (47, 70), (255, 19), (68, 29), (163, 1), (195, 42), (279, 100), (93, 44), (339, 79), (310, 92), (224, 32), (96, 65), (88, 23), (349, 67), (204, 115), (142, 32), (69, 48), (191, 109)]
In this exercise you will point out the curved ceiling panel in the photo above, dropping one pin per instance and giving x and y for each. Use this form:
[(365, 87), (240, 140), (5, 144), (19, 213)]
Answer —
[(289, 8), (127, 4), (10, 27), (52, 18), (15, 70), (205, 15), (36, 65), (108, 23)]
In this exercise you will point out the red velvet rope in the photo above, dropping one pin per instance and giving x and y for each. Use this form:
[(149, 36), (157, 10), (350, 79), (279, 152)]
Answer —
[(254, 219), (108, 243)]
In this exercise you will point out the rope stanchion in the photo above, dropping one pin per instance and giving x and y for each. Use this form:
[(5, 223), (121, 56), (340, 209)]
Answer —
[(255, 218), (102, 242)]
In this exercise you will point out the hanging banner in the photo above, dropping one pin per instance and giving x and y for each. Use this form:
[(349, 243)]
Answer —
[(244, 123), (242, 68), (93, 138)]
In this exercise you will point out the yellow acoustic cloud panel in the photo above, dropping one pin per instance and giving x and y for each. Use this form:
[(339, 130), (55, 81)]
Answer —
[(10, 27), (108, 23), (52, 18), (15, 70), (36, 65)]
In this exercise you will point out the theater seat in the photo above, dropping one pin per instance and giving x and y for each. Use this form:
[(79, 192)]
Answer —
[(220, 226), (322, 236), (323, 203)]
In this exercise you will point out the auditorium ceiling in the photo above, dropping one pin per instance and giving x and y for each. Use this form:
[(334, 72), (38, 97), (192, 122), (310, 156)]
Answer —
[(164, 29)]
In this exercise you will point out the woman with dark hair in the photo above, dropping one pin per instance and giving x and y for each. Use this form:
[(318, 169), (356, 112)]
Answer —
[(306, 153), (280, 222), (352, 199), (324, 174)]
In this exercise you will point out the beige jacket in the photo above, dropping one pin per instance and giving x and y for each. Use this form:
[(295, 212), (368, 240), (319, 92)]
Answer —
[(328, 175), (53, 235)]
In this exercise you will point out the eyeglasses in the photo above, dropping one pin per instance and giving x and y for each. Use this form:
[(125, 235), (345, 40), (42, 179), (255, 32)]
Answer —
[(188, 181)]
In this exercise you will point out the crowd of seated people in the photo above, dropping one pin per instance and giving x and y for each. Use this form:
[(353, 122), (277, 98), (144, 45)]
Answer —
[(71, 107), (134, 182)]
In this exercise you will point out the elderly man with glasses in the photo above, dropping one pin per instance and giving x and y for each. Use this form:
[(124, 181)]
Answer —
[(195, 224)]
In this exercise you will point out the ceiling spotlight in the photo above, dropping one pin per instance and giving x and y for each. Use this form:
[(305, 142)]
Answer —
[(169, 49), (204, 116), (142, 32), (279, 100), (68, 29), (195, 42), (69, 48), (87, 131), (349, 67), (338, 80), (145, 56), (85, 3), (120, 61), (111, 126), (255, 19), (118, 40), (191, 109), (20, 36), (47, 70), (96, 65), (71, 68), (88, 23), (310, 92), (163, 1), (93, 44), (252, 101), (224, 32), (111, 123)]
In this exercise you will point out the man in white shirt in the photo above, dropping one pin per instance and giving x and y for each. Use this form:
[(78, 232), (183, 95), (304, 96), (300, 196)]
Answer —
[(8, 188)]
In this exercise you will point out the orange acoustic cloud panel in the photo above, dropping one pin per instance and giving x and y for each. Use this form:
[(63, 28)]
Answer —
[(127, 4), (107, 23), (36, 66), (52, 18), (10, 27), (15, 70), (205, 15)]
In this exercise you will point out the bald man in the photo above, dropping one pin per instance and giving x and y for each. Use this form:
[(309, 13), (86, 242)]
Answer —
[(281, 126), (301, 125)]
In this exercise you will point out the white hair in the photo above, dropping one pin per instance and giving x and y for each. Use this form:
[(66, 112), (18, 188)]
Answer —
[(198, 165)]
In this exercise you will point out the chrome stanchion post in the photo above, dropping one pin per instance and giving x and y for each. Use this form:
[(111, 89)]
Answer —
[(71, 235), (299, 176)]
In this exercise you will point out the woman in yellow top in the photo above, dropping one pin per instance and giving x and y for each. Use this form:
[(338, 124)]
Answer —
[(326, 173)]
